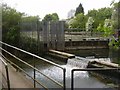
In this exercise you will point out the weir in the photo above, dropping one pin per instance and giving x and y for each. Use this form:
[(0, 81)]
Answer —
[(56, 75), (78, 62)]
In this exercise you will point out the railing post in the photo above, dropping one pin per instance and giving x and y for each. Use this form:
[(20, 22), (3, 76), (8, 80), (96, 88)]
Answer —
[(34, 74), (7, 74), (72, 80), (34, 79), (64, 79)]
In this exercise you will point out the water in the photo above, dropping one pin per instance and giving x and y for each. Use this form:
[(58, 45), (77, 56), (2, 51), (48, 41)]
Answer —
[(110, 55), (82, 79)]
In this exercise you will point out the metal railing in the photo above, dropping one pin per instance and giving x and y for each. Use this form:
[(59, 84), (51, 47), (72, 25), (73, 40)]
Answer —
[(35, 69), (22, 70), (88, 69), (7, 74)]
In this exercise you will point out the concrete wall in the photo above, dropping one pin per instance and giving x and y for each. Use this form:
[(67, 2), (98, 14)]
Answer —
[(86, 44)]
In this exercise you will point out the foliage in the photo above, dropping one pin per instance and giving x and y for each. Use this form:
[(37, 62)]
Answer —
[(51, 17), (78, 21), (116, 15), (29, 23), (31, 45), (114, 43), (89, 24), (30, 18), (100, 28), (108, 29), (116, 23), (10, 25), (79, 9), (100, 15)]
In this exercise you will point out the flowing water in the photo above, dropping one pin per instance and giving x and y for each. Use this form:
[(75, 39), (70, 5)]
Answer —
[(82, 79), (101, 54)]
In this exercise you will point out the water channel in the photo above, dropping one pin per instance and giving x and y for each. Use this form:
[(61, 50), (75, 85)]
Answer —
[(82, 79)]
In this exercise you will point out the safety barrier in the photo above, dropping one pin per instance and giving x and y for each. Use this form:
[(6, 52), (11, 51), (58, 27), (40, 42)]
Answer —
[(33, 67), (7, 74)]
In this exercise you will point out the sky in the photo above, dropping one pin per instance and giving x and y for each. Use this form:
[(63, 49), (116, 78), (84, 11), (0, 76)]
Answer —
[(61, 7)]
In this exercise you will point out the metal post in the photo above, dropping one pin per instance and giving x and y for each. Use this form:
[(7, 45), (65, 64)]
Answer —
[(38, 36), (7, 74), (64, 79), (72, 80), (34, 74)]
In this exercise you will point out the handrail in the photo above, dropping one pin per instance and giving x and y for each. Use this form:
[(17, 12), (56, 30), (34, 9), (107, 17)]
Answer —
[(31, 66), (3, 61), (50, 62), (32, 55), (7, 74), (88, 69), (23, 70)]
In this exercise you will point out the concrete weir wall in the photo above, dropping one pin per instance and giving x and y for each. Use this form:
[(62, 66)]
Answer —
[(86, 44)]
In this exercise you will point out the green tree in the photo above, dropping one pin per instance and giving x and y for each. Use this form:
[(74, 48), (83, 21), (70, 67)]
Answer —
[(100, 28), (51, 17), (100, 15), (79, 9), (48, 17), (89, 25), (10, 25), (108, 28), (30, 18), (78, 21), (116, 24), (55, 17), (29, 23), (116, 15)]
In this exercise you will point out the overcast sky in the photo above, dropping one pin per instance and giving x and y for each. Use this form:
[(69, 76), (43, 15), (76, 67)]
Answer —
[(61, 7)]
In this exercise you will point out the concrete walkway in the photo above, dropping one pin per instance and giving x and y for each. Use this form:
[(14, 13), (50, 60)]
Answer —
[(17, 79)]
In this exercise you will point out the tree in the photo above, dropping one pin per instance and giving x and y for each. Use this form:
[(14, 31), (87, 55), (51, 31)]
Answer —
[(78, 21), (29, 23), (108, 29), (89, 25), (100, 28), (55, 17), (10, 25), (48, 17), (116, 24), (116, 15), (51, 17), (79, 9), (100, 15), (30, 18)]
